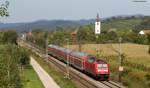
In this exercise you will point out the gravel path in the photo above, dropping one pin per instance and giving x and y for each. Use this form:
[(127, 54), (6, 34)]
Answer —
[(47, 81)]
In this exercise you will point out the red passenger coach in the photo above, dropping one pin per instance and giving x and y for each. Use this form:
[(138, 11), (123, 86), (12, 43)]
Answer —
[(82, 61)]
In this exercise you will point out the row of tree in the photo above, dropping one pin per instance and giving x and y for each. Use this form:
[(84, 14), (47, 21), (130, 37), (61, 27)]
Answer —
[(12, 59), (85, 34)]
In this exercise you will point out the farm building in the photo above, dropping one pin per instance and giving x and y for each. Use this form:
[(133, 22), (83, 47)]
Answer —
[(144, 32)]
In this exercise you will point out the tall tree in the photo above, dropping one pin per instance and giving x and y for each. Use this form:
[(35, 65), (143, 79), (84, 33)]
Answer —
[(10, 37), (4, 8), (148, 37)]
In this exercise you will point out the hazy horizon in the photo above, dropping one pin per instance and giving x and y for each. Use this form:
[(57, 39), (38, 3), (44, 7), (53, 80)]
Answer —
[(33, 10), (71, 19)]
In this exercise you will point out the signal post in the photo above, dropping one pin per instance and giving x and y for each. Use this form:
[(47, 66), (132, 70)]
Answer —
[(97, 32)]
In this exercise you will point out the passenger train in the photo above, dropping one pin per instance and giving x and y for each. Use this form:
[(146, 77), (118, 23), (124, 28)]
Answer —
[(84, 62)]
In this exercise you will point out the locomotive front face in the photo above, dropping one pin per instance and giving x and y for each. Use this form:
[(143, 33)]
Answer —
[(102, 68), (102, 71)]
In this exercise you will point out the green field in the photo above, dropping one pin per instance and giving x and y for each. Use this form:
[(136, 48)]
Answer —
[(136, 62), (30, 78)]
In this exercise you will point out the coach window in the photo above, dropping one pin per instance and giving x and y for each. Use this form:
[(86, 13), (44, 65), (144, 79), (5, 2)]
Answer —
[(91, 59)]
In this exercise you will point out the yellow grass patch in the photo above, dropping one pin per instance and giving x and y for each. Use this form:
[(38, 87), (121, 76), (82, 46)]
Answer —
[(134, 52)]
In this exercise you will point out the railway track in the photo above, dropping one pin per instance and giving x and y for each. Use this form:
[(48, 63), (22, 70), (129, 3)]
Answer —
[(81, 80), (111, 84)]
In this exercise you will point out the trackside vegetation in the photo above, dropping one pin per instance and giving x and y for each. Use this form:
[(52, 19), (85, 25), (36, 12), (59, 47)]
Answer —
[(15, 70), (54, 73)]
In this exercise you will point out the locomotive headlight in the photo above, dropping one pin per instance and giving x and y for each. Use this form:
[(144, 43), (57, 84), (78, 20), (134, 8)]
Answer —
[(99, 70), (102, 70), (105, 70)]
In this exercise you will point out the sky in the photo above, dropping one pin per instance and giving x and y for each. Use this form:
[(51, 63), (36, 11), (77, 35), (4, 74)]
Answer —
[(33, 10)]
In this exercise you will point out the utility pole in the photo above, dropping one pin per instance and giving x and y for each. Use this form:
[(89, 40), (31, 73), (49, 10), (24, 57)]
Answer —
[(46, 48), (46, 44), (149, 48), (80, 46), (67, 65), (97, 49), (75, 38), (120, 60)]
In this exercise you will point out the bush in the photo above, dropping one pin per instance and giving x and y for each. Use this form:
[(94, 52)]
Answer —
[(147, 76), (10, 37), (9, 70), (24, 57)]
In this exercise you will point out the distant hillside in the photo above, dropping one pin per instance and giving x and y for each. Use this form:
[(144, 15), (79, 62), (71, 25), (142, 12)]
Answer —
[(44, 24), (116, 22), (122, 24)]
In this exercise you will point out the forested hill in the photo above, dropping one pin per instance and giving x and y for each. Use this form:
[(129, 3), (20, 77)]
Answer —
[(137, 22), (44, 24)]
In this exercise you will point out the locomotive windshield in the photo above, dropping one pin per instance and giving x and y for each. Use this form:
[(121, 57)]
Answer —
[(91, 59), (102, 65)]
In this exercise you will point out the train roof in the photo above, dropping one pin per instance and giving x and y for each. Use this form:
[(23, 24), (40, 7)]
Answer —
[(75, 53), (53, 46), (67, 50), (79, 54), (61, 48)]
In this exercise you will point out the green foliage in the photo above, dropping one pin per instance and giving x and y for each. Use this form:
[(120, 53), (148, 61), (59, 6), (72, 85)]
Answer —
[(133, 74), (121, 24), (136, 38), (39, 38), (145, 24), (86, 34), (59, 37), (10, 37), (24, 57), (11, 59), (4, 9), (9, 67), (1, 37)]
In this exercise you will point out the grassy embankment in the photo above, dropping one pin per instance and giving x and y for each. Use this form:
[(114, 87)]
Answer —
[(136, 62), (30, 79), (27, 76), (55, 74)]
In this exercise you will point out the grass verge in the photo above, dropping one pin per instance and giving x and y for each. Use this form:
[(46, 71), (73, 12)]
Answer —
[(55, 74), (30, 79)]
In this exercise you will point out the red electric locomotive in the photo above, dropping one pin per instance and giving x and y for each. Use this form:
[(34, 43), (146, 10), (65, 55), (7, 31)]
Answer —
[(82, 61)]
